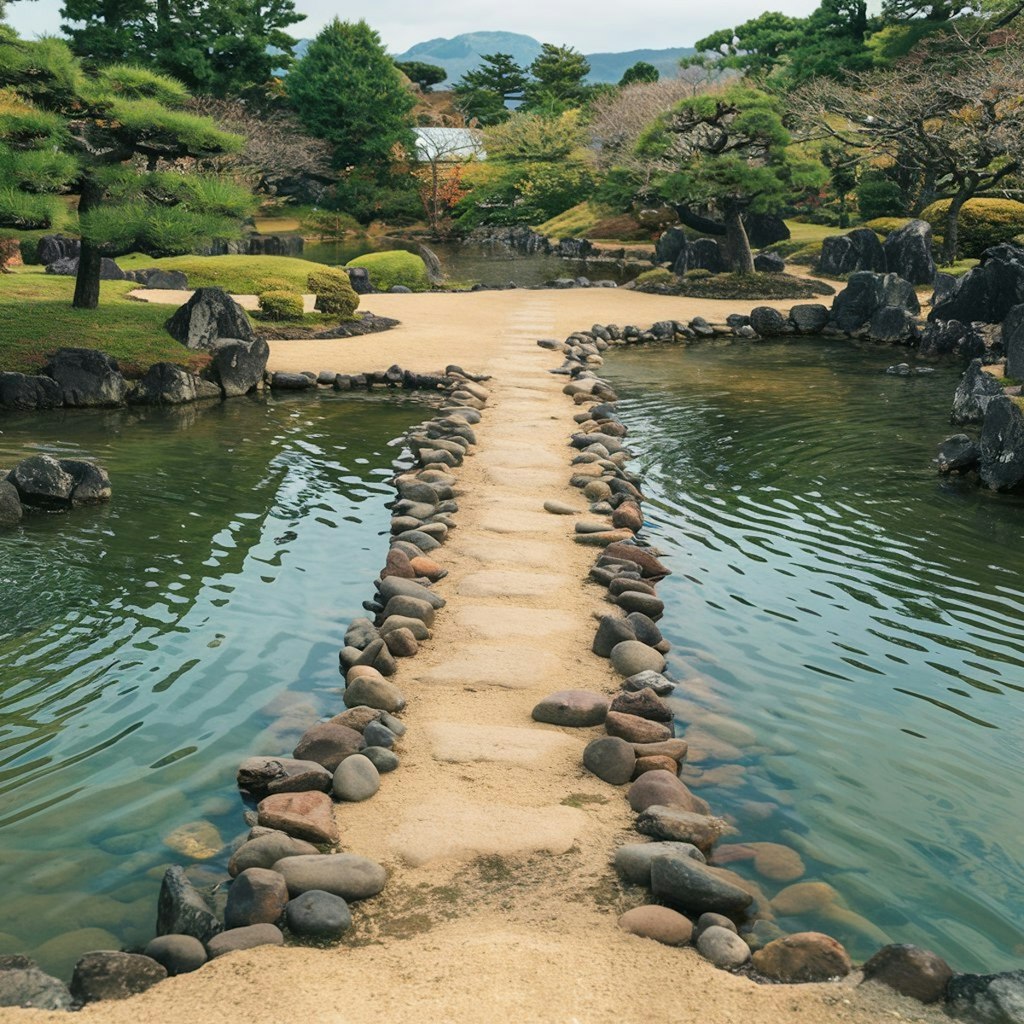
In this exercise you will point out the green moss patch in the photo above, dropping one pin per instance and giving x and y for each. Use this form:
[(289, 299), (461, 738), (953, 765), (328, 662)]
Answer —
[(395, 267)]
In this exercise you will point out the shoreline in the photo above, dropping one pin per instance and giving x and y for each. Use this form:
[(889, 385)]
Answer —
[(529, 932)]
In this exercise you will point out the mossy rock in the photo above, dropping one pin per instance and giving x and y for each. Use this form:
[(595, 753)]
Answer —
[(657, 276), (740, 286), (394, 267), (883, 226), (982, 223)]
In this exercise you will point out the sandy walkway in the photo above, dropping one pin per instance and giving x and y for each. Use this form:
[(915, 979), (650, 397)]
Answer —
[(501, 905)]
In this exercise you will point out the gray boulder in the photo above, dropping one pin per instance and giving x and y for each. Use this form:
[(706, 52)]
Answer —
[(249, 937), (722, 947), (611, 759), (42, 483), (238, 365), (344, 874), (56, 247), (29, 391), (974, 392), (951, 337), (764, 229), (87, 378), (359, 278), (1013, 342), (266, 850), (106, 974), (707, 254), (260, 776), (987, 998), (857, 250), (91, 482), (958, 454), (633, 860), (177, 954), (809, 318), (769, 322), (769, 263), (282, 381), (356, 779), (866, 293), (1001, 465), (892, 325), (987, 292), (210, 315), (180, 910), (318, 915), (23, 984), (162, 280), (11, 512), (170, 384), (670, 246), (908, 252), (690, 886), (328, 744), (68, 267)]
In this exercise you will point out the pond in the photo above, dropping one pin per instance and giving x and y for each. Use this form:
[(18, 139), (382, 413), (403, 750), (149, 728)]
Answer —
[(850, 627), (466, 265), (148, 645)]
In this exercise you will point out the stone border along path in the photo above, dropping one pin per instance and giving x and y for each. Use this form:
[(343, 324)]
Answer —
[(697, 901)]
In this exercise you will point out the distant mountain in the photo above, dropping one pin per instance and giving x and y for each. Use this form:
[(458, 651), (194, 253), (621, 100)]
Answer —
[(462, 53)]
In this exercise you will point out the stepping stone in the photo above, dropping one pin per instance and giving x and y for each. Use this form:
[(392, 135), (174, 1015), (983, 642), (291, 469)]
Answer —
[(514, 521), (450, 830), (466, 744), (512, 668), (573, 708), (495, 549), (500, 622), (502, 583)]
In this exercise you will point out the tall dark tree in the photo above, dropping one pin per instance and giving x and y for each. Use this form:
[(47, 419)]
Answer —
[(557, 82), (220, 47), (484, 92), (641, 71), (118, 138), (423, 74)]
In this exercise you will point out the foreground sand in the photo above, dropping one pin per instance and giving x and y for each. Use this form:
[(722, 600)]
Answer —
[(501, 905)]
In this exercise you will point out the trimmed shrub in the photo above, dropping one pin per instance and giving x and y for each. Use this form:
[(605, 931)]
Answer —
[(658, 276), (698, 274), (983, 223), (333, 291), (394, 267), (886, 225), (30, 252), (879, 196), (281, 305)]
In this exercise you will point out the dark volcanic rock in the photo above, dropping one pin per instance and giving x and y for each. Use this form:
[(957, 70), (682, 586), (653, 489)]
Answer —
[(958, 454), (41, 482), (691, 886), (951, 337), (866, 293), (11, 512), (106, 974), (1002, 445), (769, 322), (987, 998), (87, 378), (809, 317), (57, 247), (238, 366), (91, 482), (671, 245), (973, 394), (908, 252), (1013, 342), (29, 391), (769, 263), (707, 254), (181, 910), (161, 280), (892, 325), (764, 229), (23, 984), (210, 315), (857, 250), (911, 971), (170, 384), (68, 267), (987, 292)]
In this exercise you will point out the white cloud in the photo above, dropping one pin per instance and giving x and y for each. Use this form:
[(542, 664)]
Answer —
[(588, 25)]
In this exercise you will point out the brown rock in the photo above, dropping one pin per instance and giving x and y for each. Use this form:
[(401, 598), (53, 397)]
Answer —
[(575, 708), (911, 971), (636, 730), (328, 744), (256, 896), (308, 816), (659, 923), (649, 565), (244, 938), (643, 703), (401, 643), (628, 516), (663, 789), (777, 862), (262, 775), (805, 956), (654, 763), (677, 825), (620, 586), (676, 749), (423, 566), (398, 564), (357, 718)]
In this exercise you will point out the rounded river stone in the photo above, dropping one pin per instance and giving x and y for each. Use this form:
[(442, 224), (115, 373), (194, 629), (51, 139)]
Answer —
[(244, 938), (693, 887), (724, 948), (356, 779), (577, 708), (265, 851), (632, 656), (318, 915), (179, 954), (384, 760), (659, 923), (344, 874), (611, 759)]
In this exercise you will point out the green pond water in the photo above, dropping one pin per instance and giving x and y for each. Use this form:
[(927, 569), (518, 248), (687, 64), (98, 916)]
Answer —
[(148, 645), (851, 625)]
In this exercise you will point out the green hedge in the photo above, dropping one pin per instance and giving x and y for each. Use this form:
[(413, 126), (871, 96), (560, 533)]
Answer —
[(983, 223), (394, 267), (280, 305), (333, 291)]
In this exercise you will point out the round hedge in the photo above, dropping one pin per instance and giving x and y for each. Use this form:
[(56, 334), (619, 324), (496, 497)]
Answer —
[(333, 291), (281, 305), (983, 223), (394, 267)]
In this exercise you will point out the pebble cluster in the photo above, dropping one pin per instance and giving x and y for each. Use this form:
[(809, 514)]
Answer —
[(696, 901), (288, 877)]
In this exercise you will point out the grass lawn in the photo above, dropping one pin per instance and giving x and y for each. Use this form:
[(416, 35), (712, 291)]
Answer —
[(240, 275), (807, 233), (36, 318)]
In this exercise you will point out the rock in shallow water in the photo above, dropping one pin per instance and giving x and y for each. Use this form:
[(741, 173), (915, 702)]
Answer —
[(805, 956), (690, 886), (911, 971), (106, 974), (181, 910)]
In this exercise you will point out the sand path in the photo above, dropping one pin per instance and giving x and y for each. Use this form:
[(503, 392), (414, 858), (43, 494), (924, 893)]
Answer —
[(501, 904)]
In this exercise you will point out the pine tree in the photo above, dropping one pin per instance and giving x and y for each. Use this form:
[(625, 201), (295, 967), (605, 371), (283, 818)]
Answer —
[(118, 138), (484, 92), (557, 85)]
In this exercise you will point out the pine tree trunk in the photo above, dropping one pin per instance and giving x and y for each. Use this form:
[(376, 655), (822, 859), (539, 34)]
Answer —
[(87, 282), (741, 259)]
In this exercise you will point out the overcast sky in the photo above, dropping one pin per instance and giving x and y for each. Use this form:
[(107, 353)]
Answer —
[(593, 26)]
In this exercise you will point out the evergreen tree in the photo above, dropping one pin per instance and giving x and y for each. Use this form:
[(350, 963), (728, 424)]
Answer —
[(219, 47), (557, 83), (641, 71), (484, 92), (92, 133), (423, 74)]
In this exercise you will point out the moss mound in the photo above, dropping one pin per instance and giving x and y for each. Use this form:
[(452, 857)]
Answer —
[(394, 267), (240, 275), (737, 286), (983, 223), (333, 291)]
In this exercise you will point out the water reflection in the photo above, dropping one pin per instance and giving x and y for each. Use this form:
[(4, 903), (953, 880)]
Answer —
[(859, 621), (146, 645)]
